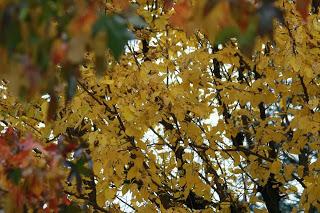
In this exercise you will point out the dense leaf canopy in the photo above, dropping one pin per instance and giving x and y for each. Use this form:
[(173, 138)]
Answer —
[(160, 105)]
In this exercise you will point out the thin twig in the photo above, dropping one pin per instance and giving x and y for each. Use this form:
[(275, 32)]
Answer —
[(124, 202)]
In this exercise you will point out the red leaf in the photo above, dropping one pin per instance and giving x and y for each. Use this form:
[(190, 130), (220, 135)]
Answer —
[(70, 147), (4, 149), (11, 136), (66, 201), (53, 205), (51, 148), (10, 131), (58, 52), (20, 159), (28, 144)]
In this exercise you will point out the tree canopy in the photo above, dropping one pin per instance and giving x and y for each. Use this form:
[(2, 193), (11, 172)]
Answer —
[(160, 105)]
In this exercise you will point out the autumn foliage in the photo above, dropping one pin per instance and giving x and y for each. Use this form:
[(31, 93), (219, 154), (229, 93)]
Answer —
[(160, 105), (31, 174)]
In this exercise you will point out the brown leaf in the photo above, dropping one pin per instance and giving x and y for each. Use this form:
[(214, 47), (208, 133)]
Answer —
[(121, 4), (302, 7), (241, 10), (51, 116), (167, 5), (210, 4)]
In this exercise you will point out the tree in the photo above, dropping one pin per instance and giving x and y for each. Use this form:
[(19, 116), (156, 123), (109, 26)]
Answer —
[(175, 106)]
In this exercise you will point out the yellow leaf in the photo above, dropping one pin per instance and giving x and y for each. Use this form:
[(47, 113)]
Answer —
[(101, 200), (295, 63), (275, 167), (313, 103), (236, 158), (132, 173), (288, 170), (316, 23), (108, 81), (44, 110), (128, 113), (110, 193)]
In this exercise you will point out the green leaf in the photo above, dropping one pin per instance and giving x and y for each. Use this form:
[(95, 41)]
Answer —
[(10, 35), (227, 33), (80, 167), (137, 21), (14, 175), (24, 13), (70, 209), (117, 33), (71, 87), (247, 40), (100, 65)]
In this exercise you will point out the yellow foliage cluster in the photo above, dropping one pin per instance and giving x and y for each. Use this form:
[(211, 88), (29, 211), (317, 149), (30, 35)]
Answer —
[(178, 119)]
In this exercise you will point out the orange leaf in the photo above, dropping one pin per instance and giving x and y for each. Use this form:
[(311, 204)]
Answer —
[(183, 12), (84, 22), (17, 197)]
